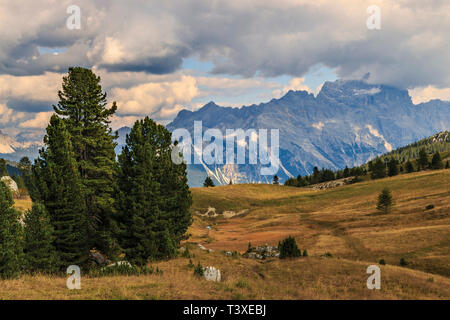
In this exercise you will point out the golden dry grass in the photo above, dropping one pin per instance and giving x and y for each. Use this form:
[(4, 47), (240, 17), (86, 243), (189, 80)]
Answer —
[(341, 221)]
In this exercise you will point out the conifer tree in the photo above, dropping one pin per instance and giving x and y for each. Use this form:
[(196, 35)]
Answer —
[(59, 188), (378, 169), (423, 159), (208, 182), (25, 171), (384, 201), (11, 236), (436, 161), (40, 255), (276, 180), (3, 170), (392, 167), (82, 106), (154, 198), (409, 167)]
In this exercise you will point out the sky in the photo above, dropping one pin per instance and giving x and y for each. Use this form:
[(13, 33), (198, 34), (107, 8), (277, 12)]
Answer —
[(156, 58)]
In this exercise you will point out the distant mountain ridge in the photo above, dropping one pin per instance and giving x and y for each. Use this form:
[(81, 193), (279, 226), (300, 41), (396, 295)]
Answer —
[(13, 150), (347, 124)]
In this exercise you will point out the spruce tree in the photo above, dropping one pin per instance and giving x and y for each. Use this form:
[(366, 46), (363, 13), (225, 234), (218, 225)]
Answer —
[(208, 182), (276, 180), (83, 107), (423, 159), (59, 188), (436, 162), (11, 236), (3, 170), (25, 171), (392, 167), (40, 255), (288, 248), (384, 201), (409, 167), (378, 169), (153, 195)]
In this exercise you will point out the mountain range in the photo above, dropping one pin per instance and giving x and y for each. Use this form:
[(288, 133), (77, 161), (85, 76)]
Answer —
[(13, 150), (348, 123)]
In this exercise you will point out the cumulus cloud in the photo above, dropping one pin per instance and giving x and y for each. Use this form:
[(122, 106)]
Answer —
[(424, 94), (268, 38), (138, 48), (161, 100), (39, 121)]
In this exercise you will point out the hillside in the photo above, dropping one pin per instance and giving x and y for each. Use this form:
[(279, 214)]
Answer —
[(439, 142), (341, 221)]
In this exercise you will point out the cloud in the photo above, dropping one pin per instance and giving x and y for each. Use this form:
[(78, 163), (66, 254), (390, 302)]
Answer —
[(160, 100), (424, 94), (39, 121), (265, 38)]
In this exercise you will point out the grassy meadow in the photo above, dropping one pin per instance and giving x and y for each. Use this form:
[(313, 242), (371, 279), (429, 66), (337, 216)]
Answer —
[(342, 223)]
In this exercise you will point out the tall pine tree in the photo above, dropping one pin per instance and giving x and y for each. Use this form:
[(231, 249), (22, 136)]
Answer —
[(154, 197), (58, 186), (83, 107), (11, 236)]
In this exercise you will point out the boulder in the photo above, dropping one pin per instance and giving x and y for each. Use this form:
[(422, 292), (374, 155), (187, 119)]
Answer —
[(10, 183), (212, 274), (99, 259)]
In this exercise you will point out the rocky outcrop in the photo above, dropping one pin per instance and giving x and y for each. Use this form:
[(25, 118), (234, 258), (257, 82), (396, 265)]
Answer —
[(262, 252)]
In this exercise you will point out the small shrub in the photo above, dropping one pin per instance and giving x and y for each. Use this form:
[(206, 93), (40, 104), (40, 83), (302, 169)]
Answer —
[(305, 253), (198, 271), (242, 284), (186, 253), (191, 264), (327, 255), (403, 262), (382, 262), (288, 248), (429, 207)]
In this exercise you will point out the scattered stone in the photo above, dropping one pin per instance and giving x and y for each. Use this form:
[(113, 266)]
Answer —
[(229, 253), (208, 227), (231, 214), (212, 274), (332, 184), (119, 263), (201, 247), (262, 252)]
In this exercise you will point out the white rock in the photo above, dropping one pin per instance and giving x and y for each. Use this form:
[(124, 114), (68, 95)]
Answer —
[(212, 274), (201, 247), (10, 183), (119, 263)]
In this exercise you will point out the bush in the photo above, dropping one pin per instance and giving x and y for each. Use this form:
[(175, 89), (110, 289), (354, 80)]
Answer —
[(289, 249), (429, 207), (382, 262), (198, 271), (403, 262), (305, 253)]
